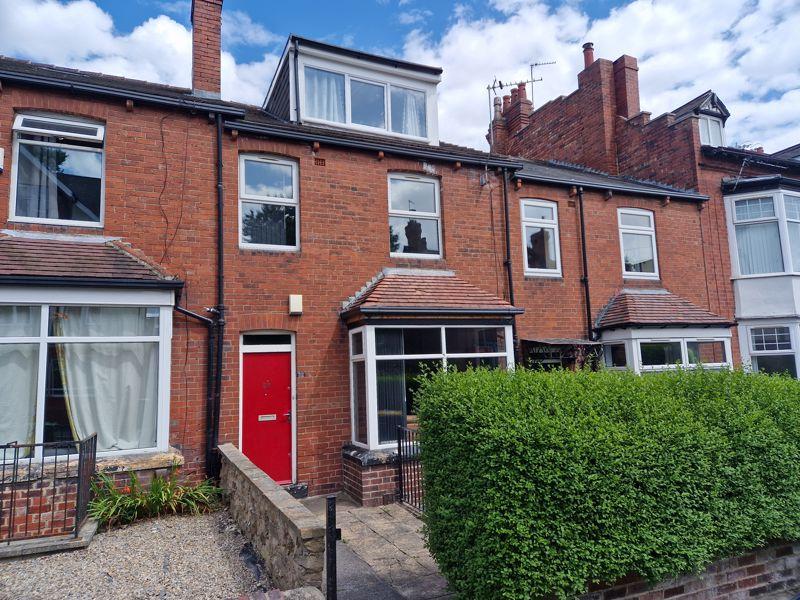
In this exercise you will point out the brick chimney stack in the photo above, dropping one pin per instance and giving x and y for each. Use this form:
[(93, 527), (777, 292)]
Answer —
[(519, 109), (206, 47), (588, 54), (626, 86)]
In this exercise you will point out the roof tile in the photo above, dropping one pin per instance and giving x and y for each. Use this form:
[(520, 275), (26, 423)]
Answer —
[(655, 308)]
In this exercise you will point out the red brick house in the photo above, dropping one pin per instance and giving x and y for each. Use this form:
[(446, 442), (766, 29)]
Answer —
[(180, 271)]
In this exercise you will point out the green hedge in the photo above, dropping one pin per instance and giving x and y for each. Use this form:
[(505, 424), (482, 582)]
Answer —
[(538, 483)]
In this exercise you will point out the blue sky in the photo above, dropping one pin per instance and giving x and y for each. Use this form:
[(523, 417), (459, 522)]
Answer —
[(748, 51)]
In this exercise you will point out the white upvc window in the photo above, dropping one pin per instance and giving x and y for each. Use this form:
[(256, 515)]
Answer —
[(415, 226), (637, 237), (362, 102), (386, 361), (664, 353), (540, 241), (269, 216), (712, 131), (615, 356), (75, 367), (765, 233), (772, 349), (57, 171)]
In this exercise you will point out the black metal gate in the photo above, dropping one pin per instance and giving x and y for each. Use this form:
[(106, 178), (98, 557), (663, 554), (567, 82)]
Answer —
[(410, 486), (44, 488)]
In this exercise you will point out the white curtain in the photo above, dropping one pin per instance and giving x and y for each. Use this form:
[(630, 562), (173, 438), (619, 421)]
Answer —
[(324, 95), (408, 112), (794, 243), (111, 388), (37, 183), (759, 247), (19, 368)]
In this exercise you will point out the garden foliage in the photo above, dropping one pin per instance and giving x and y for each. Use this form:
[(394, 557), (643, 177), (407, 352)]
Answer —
[(538, 483)]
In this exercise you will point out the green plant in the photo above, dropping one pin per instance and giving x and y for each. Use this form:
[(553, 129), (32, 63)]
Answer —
[(114, 504), (539, 483)]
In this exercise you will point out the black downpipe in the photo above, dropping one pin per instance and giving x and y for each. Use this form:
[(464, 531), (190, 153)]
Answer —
[(585, 277), (509, 267), (296, 61)]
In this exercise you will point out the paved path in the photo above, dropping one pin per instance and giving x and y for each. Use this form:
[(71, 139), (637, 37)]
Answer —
[(384, 543)]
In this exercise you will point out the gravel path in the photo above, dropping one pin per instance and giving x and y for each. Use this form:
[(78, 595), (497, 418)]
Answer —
[(191, 557)]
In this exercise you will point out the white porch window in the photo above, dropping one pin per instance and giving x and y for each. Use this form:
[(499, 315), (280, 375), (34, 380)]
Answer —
[(637, 235), (772, 350), (268, 203), (540, 237), (649, 350), (414, 222), (57, 171), (386, 361), (70, 369)]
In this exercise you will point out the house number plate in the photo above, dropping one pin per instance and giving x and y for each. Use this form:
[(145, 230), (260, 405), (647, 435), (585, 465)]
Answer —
[(267, 417)]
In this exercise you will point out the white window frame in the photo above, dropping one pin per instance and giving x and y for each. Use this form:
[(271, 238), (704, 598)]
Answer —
[(422, 215), (551, 224), (99, 138), (747, 347), (606, 357), (371, 359), (778, 201), (375, 74), (163, 300), (252, 198), (705, 124), (650, 231)]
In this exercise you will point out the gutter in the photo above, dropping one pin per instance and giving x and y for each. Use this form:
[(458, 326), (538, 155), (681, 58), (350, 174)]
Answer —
[(282, 132), (163, 284), (675, 195), (113, 92)]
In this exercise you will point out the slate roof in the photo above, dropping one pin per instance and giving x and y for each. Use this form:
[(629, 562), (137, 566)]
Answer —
[(790, 153), (696, 106), (69, 261), (571, 174), (752, 157), (655, 308), (731, 185), (421, 291)]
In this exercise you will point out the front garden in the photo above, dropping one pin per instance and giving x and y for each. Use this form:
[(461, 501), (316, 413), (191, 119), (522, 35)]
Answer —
[(539, 485)]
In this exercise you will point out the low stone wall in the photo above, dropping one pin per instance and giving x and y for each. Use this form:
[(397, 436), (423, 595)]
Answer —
[(288, 536), (369, 476), (772, 572)]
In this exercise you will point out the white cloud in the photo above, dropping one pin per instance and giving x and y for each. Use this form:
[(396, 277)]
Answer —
[(413, 16), (239, 29), (748, 51)]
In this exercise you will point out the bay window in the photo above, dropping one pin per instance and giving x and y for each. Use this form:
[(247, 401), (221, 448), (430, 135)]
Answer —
[(57, 171), (387, 361), (643, 350), (70, 370), (268, 203), (637, 235), (540, 237), (414, 223)]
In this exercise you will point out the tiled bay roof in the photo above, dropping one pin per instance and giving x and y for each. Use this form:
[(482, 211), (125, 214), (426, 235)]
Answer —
[(655, 308)]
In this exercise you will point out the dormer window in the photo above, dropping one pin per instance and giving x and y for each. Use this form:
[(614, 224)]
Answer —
[(326, 85), (712, 131)]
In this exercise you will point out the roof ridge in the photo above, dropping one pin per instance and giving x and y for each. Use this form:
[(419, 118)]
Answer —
[(365, 289)]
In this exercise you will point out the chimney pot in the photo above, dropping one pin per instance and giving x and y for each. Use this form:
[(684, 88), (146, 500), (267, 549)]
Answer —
[(506, 102), (588, 54), (523, 93)]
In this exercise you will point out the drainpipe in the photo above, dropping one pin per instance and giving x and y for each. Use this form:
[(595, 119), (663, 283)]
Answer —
[(296, 82), (509, 266), (585, 277)]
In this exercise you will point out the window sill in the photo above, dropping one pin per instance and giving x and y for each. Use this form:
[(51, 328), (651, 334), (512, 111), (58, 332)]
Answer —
[(141, 461), (255, 248), (56, 222), (552, 276), (641, 277)]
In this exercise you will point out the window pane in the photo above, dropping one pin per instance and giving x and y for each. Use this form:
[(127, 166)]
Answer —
[(639, 257), (794, 243), (413, 196), (19, 321), (58, 183), (715, 132), (397, 384), (324, 95), (755, 208), (770, 338), (701, 353), (792, 204), (266, 339), (490, 362), (759, 248), (411, 340), (660, 353), (273, 224), (409, 112), (60, 127), (409, 235), (542, 213), (541, 247), (19, 369), (778, 364), (268, 180), (367, 104), (107, 388), (360, 402), (635, 219), (467, 340), (705, 135), (103, 321), (615, 355), (357, 341)]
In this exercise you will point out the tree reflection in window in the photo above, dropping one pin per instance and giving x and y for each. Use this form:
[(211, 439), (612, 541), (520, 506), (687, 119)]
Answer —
[(271, 224)]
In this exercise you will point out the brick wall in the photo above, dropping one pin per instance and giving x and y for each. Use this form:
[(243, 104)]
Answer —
[(369, 485), (44, 508), (772, 572)]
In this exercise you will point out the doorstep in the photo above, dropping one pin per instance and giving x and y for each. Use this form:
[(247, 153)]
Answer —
[(46, 545)]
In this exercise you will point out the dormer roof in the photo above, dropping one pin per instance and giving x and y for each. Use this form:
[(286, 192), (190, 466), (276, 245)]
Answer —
[(707, 103)]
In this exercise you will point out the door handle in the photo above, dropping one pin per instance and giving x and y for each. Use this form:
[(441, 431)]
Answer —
[(288, 416)]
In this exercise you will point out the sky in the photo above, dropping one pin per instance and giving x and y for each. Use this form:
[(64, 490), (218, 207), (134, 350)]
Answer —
[(748, 51)]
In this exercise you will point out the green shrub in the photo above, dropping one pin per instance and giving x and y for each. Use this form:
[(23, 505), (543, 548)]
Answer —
[(537, 483), (114, 504)]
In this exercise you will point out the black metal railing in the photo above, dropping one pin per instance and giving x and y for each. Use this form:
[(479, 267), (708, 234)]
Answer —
[(44, 488), (410, 488)]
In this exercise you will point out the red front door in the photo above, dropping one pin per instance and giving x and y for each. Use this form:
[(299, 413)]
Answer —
[(266, 412)]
